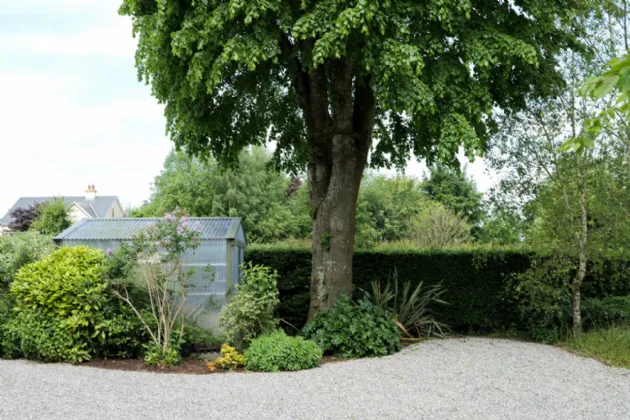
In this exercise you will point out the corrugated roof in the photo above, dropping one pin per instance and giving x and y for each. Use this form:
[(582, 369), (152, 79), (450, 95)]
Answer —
[(96, 207), (125, 229)]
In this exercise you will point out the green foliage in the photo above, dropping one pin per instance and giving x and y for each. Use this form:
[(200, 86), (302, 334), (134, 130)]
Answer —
[(158, 252), (194, 334), (252, 191), (479, 282), (155, 355), (54, 217), (63, 311), (19, 249), (611, 345), (276, 351), (410, 309), (501, 228), (455, 190), (230, 358), (606, 312), (437, 227), (543, 298), (229, 72), (250, 313), (354, 329)]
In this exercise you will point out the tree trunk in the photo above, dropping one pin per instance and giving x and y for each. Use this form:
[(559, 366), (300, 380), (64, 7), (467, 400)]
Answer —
[(582, 259)]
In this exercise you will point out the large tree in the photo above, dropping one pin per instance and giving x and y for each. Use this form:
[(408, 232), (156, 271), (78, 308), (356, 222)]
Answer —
[(332, 80)]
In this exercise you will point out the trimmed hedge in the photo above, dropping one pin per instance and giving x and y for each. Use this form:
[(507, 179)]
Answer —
[(478, 282)]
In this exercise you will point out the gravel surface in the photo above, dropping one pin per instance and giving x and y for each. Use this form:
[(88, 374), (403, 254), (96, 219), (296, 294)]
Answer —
[(468, 378)]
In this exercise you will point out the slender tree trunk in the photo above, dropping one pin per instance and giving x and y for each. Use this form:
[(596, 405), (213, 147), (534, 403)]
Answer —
[(582, 259)]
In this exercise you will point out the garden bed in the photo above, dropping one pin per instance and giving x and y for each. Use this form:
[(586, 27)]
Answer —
[(188, 366)]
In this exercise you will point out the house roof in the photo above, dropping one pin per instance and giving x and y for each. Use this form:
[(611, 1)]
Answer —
[(125, 229), (96, 207)]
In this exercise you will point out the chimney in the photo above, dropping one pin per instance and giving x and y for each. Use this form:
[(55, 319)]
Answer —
[(90, 193)]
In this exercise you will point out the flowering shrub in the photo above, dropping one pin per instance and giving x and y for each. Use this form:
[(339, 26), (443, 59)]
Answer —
[(158, 263)]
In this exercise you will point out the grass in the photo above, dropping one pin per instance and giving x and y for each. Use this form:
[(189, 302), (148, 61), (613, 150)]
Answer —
[(611, 345)]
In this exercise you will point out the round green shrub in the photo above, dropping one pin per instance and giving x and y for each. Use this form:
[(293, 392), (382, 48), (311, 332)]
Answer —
[(277, 351), (64, 312), (354, 329)]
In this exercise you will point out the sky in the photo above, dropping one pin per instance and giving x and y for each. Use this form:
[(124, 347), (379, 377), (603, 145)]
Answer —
[(72, 111)]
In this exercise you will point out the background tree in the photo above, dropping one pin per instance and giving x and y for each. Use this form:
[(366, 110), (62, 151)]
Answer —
[(23, 217), (453, 188), (437, 226), (54, 217), (201, 187), (325, 78), (568, 196)]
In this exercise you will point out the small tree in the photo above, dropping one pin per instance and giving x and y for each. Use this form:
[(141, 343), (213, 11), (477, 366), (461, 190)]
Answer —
[(54, 217), (160, 268), (23, 217), (437, 226)]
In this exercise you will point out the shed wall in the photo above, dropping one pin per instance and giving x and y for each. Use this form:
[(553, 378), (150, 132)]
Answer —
[(208, 289)]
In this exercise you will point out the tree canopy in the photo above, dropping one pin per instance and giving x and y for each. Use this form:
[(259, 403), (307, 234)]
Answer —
[(332, 82), (228, 71)]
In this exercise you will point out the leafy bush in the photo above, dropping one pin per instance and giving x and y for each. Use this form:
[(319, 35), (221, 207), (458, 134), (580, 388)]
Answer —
[(250, 313), (63, 311), (54, 217), (354, 329), (230, 359), (607, 312), (23, 217), (543, 299), (410, 309), (20, 249), (200, 336), (155, 355), (276, 351)]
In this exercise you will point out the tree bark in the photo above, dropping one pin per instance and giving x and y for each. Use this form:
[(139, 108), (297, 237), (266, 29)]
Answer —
[(339, 110), (582, 259)]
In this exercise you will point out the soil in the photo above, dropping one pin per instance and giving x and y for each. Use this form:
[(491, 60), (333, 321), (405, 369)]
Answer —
[(187, 366)]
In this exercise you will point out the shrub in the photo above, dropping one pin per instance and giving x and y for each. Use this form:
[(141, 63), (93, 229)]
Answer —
[(276, 351), (354, 329), (410, 309), (23, 217), (607, 312), (250, 313), (63, 311), (20, 249), (155, 355), (156, 257), (230, 359), (54, 217), (543, 299)]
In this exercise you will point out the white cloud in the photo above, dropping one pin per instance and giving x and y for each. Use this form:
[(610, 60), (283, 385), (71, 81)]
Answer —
[(113, 40)]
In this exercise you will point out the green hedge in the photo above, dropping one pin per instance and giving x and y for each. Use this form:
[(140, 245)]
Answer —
[(478, 282)]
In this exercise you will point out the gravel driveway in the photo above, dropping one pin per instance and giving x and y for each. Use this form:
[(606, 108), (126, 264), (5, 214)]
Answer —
[(469, 378)]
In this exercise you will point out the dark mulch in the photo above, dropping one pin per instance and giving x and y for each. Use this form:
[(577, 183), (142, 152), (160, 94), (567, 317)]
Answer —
[(188, 366)]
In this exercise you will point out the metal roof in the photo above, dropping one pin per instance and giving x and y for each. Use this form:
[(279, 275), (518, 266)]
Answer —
[(125, 228), (96, 207)]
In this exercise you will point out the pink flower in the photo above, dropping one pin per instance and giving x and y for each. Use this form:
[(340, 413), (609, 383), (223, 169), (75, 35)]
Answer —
[(180, 229), (110, 251), (196, 227), (169, 217)]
